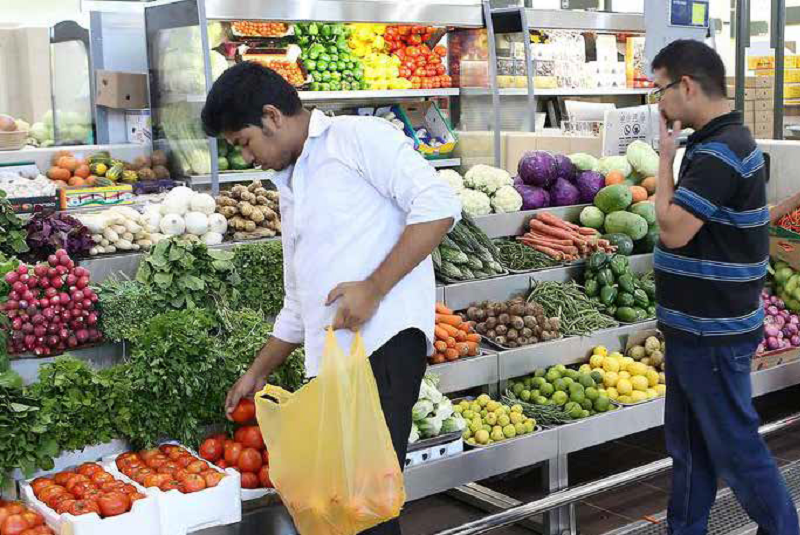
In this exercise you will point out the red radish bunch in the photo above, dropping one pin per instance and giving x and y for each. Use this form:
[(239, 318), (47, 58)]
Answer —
[(51, 307)]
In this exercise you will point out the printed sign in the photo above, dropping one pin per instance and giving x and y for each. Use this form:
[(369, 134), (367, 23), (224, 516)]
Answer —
[(623, 126), (689, 13)]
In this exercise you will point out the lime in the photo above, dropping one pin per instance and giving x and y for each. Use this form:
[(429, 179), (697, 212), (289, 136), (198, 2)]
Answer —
[(535, 394), (571, 405), (503, 421), (519, 428), (482, 437), (560, 398), (577, 396), (585, 368), (527, 383), (568, 381), (587, 404), (560, 368), (538, 382), (584, 413), (572, 374), (471, 441), (541, 400), (539, 373), (529, 425), (597, 376), (576, 412), (576, 387), (484, 413), (510, 431), (587, 381), (525, 395), (475, 427), (516, 418), (547, 390), (476, 408), (560, 385), (468, 414), (592, 393), (601, 404), (552, 376)]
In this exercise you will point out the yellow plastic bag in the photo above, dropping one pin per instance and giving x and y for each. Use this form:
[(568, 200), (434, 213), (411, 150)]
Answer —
[(331, 455)]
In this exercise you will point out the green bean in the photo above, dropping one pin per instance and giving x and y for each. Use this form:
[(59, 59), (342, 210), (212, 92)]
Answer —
[(568, 302), (519, 257)]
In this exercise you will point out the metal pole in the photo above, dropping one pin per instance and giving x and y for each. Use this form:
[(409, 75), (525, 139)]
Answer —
[(742, 43), (487, 15), (526, 41), (212, 141), (560, 499), (778, 41)]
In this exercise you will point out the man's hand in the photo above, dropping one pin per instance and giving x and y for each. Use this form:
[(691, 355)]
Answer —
[(668, 141), (358, 302), (247, 386)]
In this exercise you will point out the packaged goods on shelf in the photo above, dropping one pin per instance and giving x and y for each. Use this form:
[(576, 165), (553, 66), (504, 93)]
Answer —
[(246, 28), (27, 190), (636, 63)]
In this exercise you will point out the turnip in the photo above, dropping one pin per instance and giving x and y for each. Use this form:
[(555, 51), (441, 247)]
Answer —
[(22, 269), (12, 277)]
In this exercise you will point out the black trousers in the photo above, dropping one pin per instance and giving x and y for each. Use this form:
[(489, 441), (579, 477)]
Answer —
[(399, 366)]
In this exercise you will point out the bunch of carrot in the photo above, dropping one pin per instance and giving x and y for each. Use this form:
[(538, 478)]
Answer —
[(455, 338), (562, 240)]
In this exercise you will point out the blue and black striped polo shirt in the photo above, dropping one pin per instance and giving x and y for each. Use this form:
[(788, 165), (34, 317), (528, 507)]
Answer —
[(711, 287)]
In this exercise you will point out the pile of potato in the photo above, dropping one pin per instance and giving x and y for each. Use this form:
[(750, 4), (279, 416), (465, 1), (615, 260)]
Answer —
[(252, 211)]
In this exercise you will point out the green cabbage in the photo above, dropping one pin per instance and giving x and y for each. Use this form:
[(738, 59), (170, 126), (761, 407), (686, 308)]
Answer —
[(614, 163), (444, 409), (643, 158), (430, 427), (454, 424), (583, 161), (428, 391), (421, 410), (414, 436)]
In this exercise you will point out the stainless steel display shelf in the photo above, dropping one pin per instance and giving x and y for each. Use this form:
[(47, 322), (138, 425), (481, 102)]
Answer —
[(508, 20), (441, 12), (388, 94), (226, 178), (440, 294), (514, 223), (445, 162), (467, 373), (477, 464), (557, 92), (99, 356), (573, 350)]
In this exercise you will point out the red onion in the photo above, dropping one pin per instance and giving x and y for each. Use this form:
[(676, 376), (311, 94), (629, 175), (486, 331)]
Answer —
[(83, 335), (12, 305), (56, 282), (82, 283), (24, 278), (52, 260), (773, 343), (52, 272), (40, 330), (16, 324), (14, 296), (72, 342), (81, 272), (40, 270)]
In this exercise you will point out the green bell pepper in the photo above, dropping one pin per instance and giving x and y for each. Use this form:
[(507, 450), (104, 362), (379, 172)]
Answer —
[(641, 299), (608, 295), (626, 283), (592, 288), (619, 265)]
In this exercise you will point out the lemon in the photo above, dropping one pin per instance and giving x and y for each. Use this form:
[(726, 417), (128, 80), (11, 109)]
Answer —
[(458, 409), (639, 383), (493, 405), (612, 393), (637, 368), (516, 418), (662, 378), (468, 414), (519, 428), (464, 405), (637, 396), (484, 413), (482, 436), (491, 418), (616, 355), (585, 368), (626, 361), (652, 377), (624, 375), (624, 387), (483, 400), (471, 441), (611, 365), (610, 379), (487, 428), (510, 431), (497, 435), (661, 389), (625, 399), (517, 408), (596, 361), (467, 434), (530, 425), (503, 420), (651, 393), (600, 350)]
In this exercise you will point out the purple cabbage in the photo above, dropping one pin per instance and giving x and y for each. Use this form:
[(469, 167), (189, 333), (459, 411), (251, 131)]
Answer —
[(518, 181), (537, 168), (563, 193), (533, 197), (565, 168), (50, 232), (589, 183)]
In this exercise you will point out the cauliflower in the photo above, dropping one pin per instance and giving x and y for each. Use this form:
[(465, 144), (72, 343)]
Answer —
[(506, 199), (452, 178), (487, 179), (475, 203)]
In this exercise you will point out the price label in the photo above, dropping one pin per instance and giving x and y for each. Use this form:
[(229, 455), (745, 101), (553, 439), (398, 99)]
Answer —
[(689, 13)]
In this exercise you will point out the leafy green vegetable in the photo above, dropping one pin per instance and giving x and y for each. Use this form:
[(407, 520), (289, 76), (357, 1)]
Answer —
[(125, 307), (183, 274), (260, 268), (25, 442), (12, 229)]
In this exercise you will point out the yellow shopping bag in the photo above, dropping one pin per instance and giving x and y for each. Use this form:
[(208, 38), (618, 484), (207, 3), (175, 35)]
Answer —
[(331, 455)]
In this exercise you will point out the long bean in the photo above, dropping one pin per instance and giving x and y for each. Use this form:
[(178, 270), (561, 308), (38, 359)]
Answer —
[(548, 415), (519, 257), (568, 301)]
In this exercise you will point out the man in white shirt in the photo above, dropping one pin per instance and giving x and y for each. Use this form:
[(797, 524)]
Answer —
[(361, 212)]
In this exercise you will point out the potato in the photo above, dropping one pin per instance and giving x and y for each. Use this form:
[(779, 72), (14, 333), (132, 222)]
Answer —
[(246, 209), (257, 216), (228, 211), (261, 200), (260, 192), (269, 213), (250, 226)]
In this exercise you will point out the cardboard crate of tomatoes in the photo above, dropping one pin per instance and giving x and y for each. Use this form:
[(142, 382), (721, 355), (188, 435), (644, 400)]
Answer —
[(245, 452), (191, 493), (17, 519), (455, 338), (422, 65), (88, 500)]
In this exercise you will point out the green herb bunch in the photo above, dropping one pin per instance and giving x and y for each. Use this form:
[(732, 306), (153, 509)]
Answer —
[(12, 229), (260, 268), (125, 307)]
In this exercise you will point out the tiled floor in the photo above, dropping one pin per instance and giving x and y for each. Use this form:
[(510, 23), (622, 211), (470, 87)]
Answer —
[(604, 512)]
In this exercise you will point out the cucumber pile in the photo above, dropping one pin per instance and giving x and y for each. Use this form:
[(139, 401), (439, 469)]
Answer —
[(617, 291), (466, 254)]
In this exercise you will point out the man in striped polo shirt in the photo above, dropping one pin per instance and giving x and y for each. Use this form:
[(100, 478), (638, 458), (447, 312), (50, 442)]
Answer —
[(710, 266)]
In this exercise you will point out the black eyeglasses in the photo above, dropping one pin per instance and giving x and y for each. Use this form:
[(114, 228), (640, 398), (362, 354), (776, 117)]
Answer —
[(655, 96)]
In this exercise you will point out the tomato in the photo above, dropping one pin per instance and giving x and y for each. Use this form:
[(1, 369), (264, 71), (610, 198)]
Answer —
[(75, 480), (265, 457), (102, 477), (232, 452), (250, 460), (135, 497), (166, 448), (61, 478), (263, 477), (129, 489), (146, 455), (142, 473), (222, 463), (157, 461), (3, 515), (114, 504), (16, 508), (89, 469), (53, 490), (180, 474), (132, 469), (84, 507), (219, 437), (92, 494), (177, 454), (38, 530), (249, 480), (155, 480), (113, 486), (33, 518), (193, 483), (171, 484), (197, 467), (440, 70), (53, 501), (212, 478), (252, 438), (80, 489), (211, 450), (440, 50), (14, 525), (185, 460), (39, 483), (64, 506), (169, 468), (244, 411), (128, 462)]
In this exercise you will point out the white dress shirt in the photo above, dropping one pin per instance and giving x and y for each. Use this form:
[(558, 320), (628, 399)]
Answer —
[(355, 187)]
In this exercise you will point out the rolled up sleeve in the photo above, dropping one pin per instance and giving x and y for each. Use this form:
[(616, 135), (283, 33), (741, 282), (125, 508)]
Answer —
[(391, 165)]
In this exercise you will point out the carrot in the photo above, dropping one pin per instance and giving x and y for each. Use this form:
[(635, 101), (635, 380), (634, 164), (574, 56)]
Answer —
[(438, 358), (586, 231), (451, 342), (461, 336), (474, 338), (451, 331), (568, 249), (559, 233), (549, 252), (451, 354), (463, 349), (449, 319), (440, 333), (555, 221), (441, 309), (473, 348), (549, 238), (440, 345)]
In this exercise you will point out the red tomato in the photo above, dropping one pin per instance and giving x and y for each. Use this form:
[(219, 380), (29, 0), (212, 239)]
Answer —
[(251, 437), (185, 460), (33, 518), (263, 477), (40, 483), (135, 497), (89, 469), (80, 489), (166, 448), (169, 468), (171, 484), (113, 486), (4, 514), (38, 530), (212, 478), (102, 477), (193, 483), (114, 504), (440, 70), (155, 480), (61, 478), (65, 506), (265, 457), (76, 480), (14, 525), (180, 474), (146, 455), (197, 467), (16, 508), (249, 480), (129, 489), (53, 490), (211, 450), (250, 460), (142, 473), (244, 411), (92, 494), (84, 507), (222, 463), (157, 461), (232, 452), (53, 501), (440, 50)]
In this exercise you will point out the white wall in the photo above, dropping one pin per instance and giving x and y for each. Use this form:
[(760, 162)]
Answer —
[(40, 12)]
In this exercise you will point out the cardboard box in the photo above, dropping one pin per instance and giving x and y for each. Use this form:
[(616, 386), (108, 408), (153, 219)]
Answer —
[(749, 92), (427, 116), (775, 358), (749, 105), (763, 105), (784, 244), (122, 90), (764, 94), (749, 81), (105, 197), (763, 131)]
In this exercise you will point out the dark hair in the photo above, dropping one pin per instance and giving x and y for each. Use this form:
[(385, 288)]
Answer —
[(686, 57), (238, 97)]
